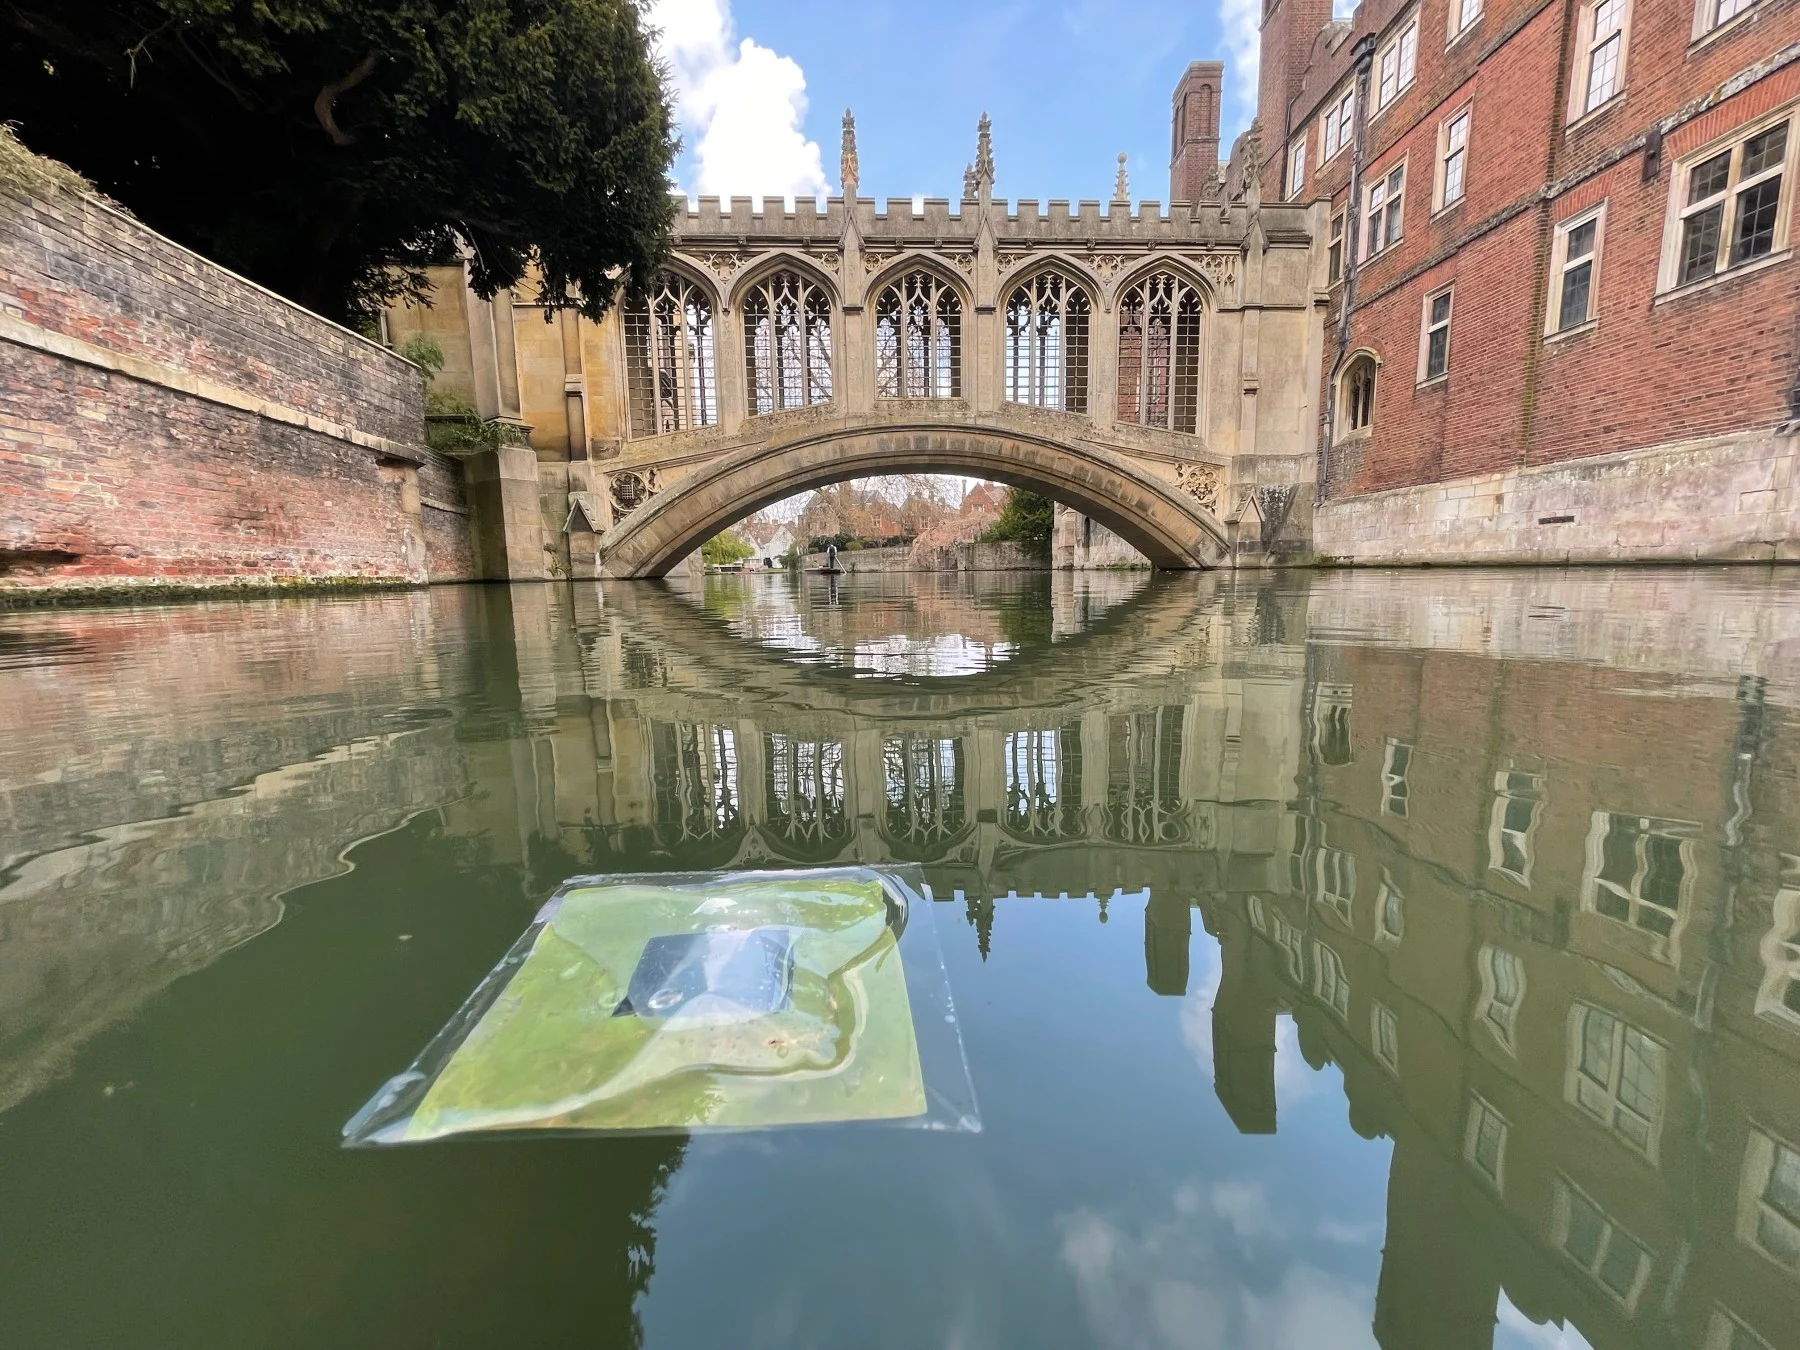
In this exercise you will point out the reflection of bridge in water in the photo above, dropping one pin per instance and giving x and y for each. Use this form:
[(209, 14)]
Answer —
[(1526, 875)]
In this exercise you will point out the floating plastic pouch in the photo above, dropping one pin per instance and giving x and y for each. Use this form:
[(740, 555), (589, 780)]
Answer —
[(725, 1000)]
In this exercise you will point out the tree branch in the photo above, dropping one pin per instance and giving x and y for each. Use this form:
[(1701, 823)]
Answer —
[(328, 96)]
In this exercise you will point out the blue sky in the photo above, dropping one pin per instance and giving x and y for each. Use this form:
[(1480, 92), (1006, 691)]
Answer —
[(1069, 84)]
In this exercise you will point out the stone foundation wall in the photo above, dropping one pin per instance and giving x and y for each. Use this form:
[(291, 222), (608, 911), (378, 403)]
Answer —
[(168, 425), (966, 557), (1725, 498), (1081, 542)]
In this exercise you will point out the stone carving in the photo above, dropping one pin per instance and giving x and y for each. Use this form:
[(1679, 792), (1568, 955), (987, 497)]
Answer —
[(1252, 153), (724, 265), (962, 262), (1219, 268), (876, 259), (1213, 190), (1108, 264), (630, 489), (847, 164), (1121, 184), (978, 178), (1202, 482), (1009, 261)]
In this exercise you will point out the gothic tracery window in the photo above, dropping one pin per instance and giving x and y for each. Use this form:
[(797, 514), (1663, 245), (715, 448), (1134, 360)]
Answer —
[(669, 358), (1159, 353), (1357, 399), (918, 339), (1047, 344), (787, 343)]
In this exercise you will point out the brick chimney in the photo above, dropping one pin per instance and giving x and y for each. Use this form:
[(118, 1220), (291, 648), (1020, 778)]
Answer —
[(1194, 150), (1289, 29)]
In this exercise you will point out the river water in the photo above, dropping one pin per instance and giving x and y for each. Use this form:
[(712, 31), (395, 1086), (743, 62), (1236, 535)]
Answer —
[(1398, 959)]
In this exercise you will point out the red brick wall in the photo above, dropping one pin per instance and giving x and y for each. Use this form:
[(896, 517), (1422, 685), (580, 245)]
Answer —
[(110, 480), (1713, 361)]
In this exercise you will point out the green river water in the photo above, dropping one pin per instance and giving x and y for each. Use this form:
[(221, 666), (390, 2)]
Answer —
[(1344, 960)]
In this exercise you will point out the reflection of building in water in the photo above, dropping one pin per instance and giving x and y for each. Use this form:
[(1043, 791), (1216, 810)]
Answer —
[(1540, 914), (1531, 878)]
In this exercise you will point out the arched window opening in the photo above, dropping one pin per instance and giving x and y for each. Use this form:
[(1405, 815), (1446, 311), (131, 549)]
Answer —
[(918, 339), (1358, 396), (1047, 344), (1159, 354), (669, 358), (787, 343)]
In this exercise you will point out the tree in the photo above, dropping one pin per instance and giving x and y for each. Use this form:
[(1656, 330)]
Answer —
[(331, 149), (724, 549), (1027, 520)]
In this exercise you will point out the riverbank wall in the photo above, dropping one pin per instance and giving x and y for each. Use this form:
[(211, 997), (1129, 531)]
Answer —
[(965, 557), (167, 426)]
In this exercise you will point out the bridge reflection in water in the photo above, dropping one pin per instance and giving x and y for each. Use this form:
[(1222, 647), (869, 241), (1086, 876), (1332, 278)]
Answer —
[(1526, 872)]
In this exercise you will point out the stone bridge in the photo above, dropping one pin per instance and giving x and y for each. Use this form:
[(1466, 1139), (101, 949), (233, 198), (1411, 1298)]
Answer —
[(1144, 365)]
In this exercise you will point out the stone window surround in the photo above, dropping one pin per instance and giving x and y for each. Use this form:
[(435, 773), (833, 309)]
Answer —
[(1481, 1113), (1401, 29), (1394, 228), (1706, 20), (1455, 10), (1427, 328), (1579, 109), (1341, 104), (1465, 113), (1346, 432), (1566, 1192), (1670, 260), (1559, 259)]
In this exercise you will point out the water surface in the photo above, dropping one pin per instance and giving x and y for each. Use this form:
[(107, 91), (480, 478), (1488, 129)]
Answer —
[(1379, 959)]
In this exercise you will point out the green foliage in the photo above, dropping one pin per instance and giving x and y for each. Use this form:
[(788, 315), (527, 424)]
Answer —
[(425, 352), (331, 149), (725, 548), (1027, 520)]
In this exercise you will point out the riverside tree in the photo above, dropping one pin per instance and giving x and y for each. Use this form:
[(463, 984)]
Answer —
[(331, 149)]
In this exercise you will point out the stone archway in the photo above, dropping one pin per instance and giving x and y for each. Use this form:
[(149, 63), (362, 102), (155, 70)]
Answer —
[(1165, 524)]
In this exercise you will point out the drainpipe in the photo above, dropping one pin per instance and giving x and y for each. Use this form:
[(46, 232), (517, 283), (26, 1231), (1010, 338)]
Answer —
[(1362, 57)]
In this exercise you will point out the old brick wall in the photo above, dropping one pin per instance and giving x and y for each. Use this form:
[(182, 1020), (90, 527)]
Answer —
[(167, 424), (1651, 370)]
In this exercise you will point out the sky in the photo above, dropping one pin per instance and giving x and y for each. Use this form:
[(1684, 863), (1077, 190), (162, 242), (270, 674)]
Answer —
[(762, 86)]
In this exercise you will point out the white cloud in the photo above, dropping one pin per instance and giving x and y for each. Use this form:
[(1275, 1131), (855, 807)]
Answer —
[(1239, 20), (742, 107)]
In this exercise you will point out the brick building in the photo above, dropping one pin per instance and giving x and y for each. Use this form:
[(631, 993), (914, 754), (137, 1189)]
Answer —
[(1562, 314)]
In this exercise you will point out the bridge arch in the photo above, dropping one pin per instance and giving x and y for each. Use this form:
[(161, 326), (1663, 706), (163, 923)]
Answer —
[(1164, 523)]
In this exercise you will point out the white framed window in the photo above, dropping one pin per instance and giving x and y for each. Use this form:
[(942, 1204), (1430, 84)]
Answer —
[(1337, 881), (1292, 944), (1296, 175), (1778, 996), (1452, 159), (1329, 981), (1463, 14), (1356, 397), (1502, 992), (1394, 790), (1334, 257), (1711, 14), (1390, 912), (1725, 1331), (1257, 919), (1575, 270), (1615, 1073), (1512, 824), (1331, 724), (1434, 336), (1396, 63), (1639, 872), (1768, 1216), (1615, 1260), (1337, 125), (1731, 203), (1603, 29), (1383, 203), (1384, 1034), (1484, 1141)]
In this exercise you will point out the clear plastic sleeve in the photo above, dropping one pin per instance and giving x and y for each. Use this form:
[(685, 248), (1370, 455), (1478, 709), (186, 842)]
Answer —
[(699, 1001)]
